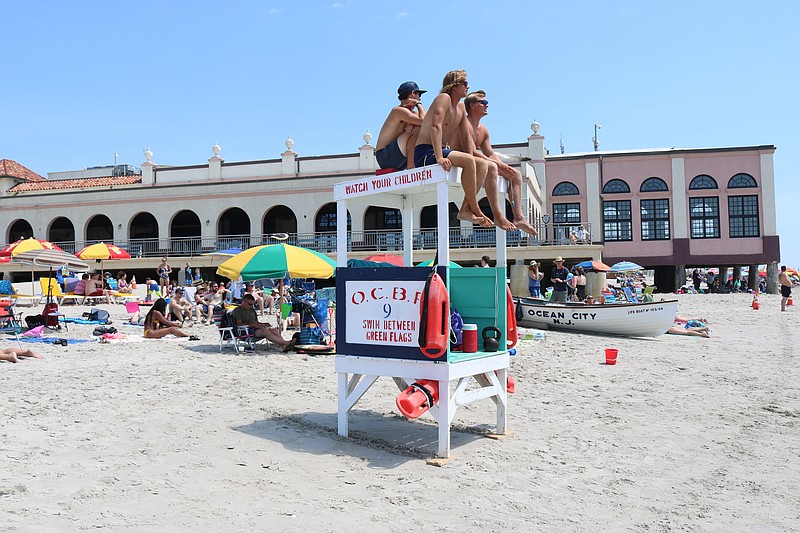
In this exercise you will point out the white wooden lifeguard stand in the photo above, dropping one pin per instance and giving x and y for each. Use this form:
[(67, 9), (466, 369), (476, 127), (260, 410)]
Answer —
[(360, 365)]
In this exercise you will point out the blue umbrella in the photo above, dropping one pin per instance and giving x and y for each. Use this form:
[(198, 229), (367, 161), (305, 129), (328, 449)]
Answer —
[(227, 251), (625, 266)]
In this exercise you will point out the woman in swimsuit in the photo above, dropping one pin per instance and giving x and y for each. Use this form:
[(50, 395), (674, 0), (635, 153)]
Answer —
[(156, 324), (164, 270)]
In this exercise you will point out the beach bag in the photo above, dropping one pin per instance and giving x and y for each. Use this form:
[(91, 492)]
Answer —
[(34, 321), (456, 328), (310, 336), (102, 330), (99, 315), (227, 320)]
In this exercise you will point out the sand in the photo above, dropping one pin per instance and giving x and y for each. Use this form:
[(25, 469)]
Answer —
[(682, 434)]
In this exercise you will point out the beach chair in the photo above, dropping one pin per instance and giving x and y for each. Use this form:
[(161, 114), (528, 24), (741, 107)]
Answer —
[(608, 297), (647, 293), (17, 296), (61, 297), (629, 295), (232, 333), (10, 321)]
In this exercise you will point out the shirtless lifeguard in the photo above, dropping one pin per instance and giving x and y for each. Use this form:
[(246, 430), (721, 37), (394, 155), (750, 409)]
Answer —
[(477, 107), (398, 136), (445, 120)]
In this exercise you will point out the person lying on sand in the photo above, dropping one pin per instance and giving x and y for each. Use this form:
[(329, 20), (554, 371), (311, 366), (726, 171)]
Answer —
[(690, 326), (13, 355)]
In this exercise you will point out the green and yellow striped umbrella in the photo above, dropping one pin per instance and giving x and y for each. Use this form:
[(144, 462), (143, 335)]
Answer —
[(275, 261)]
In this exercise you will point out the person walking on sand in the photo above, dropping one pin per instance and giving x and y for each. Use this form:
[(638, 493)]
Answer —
[(13, 355), (445, 120), (398, 136), (786, 287), (164, 270)]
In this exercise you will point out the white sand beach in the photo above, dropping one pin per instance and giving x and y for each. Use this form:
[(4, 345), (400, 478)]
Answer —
[(683, 433)]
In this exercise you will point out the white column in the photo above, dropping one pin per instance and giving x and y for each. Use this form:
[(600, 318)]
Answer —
[(768, 213), (341, 255), (680, 201), (215, 164), (594, 205), (288, 159)]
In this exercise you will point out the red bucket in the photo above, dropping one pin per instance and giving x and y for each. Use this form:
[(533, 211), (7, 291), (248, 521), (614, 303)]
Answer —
[(611, 356)]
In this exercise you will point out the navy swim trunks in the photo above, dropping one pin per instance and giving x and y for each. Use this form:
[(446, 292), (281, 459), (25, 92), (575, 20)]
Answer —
[(390, 156), (424, 155)]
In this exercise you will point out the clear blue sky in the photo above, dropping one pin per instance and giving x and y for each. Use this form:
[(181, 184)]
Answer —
[(84, 79)]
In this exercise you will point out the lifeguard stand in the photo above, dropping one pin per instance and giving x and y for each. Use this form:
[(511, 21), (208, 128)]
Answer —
[(378, 308)]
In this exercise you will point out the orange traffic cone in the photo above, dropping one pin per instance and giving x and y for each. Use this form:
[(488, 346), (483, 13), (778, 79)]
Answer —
[(755, 302), (133, 282), (418, 398), (789, 301)]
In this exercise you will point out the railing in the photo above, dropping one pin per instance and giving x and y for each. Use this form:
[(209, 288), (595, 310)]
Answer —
[(357, 241)]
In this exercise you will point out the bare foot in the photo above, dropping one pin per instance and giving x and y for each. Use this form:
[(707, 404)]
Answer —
[(13, 357), (466, 215), (504, 223), (522, 224)]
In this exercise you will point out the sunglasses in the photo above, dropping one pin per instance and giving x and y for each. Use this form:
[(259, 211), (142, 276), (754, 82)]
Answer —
[(483, 102)]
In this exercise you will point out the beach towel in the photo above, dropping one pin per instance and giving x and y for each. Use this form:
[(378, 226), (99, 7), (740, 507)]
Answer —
[(49, 340), (82, 321)]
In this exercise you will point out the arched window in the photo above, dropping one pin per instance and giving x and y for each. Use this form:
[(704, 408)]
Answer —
[(325, 221), (616, 186), (742, 181), (703, 181), (565, 188), (653, 185)]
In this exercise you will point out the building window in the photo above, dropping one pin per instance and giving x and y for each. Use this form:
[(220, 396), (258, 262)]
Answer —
[(565, 188), (567, 213), (616, 186), (653, 185), (655, 219), (617, 221), (703, 181), (743, 216), (704, 217), (742, 181)]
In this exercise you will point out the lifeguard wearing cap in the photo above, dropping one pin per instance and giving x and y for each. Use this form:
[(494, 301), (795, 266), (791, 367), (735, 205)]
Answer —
[(407, 88)]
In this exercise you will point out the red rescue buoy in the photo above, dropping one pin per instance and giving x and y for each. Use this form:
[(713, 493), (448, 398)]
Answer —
[(511, 319), (434, 324), (418, 398)]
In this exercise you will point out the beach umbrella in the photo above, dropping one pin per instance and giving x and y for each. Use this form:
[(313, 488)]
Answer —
[(227, 251), (102, 252), (51, 259), (429, 262), (594, 265), (386, 258), (625, 266), (24, 245), (276, 261)]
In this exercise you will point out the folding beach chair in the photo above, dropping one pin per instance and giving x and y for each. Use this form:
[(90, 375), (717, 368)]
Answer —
[(10, 321), (50, 286), (629, 295), (232, 333)]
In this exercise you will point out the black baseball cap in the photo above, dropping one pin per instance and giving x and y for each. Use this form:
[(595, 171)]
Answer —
[(409, 87)]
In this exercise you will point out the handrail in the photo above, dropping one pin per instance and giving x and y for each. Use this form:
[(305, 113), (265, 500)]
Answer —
[(359, 241)]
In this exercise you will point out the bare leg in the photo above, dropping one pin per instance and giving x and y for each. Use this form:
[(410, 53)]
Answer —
[(490, 171), (515, 194), (162, 332), (8, 356), (469, 210)]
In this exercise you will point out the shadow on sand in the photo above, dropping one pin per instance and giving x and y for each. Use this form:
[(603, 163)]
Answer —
[(403, 440)]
